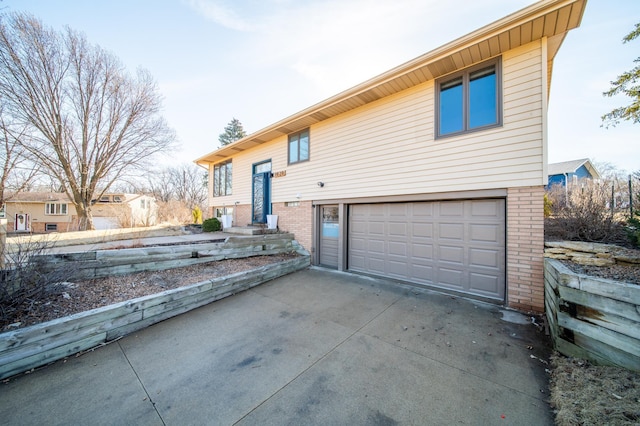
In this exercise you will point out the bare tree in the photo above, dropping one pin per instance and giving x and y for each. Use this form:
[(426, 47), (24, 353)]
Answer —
[(18, 173), (90, 122), (187, 181)]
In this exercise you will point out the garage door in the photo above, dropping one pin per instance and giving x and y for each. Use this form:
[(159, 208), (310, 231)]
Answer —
[(453, 245)]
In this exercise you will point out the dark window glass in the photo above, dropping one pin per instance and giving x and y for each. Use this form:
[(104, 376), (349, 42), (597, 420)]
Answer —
[(222, 179)]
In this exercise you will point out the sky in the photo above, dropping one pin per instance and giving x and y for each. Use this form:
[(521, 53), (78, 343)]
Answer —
[(263, 60)]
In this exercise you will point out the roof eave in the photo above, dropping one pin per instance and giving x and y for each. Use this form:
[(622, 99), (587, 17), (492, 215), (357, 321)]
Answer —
[(546, 18)]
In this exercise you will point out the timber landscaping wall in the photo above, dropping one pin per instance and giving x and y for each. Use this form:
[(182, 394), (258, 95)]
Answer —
[(102, 263), (31, 347), (593, 318)]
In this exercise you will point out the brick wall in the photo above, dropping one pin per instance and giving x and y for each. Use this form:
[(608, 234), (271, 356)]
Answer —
[(297, 220), (525, 248)]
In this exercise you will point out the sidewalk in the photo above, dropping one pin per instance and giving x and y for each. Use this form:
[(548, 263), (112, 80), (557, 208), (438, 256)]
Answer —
[(313, 347)]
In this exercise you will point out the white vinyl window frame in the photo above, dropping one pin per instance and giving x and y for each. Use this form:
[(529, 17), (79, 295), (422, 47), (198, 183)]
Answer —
[(56, 209)]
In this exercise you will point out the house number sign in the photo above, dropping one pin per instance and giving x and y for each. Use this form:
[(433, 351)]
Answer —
[(281, 173)]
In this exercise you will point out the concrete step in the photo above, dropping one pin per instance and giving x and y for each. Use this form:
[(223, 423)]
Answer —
[(250, 230)]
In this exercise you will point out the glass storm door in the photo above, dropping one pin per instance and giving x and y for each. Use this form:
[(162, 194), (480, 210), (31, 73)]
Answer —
[(261, 191), (329, 232)]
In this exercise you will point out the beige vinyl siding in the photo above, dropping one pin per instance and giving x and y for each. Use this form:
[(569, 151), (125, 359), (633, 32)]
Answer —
[(387, 147)]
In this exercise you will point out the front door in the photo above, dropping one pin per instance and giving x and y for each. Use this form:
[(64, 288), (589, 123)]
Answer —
[(22, 222), (261, 191), (329, 232)]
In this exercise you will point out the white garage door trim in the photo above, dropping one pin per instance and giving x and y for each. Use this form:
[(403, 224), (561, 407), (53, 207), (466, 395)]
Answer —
[(454, 245)]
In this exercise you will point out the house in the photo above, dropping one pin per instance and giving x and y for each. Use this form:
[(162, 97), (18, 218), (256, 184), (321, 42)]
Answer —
[(39, 212), (123, 210), (571, 171), (432, 173)]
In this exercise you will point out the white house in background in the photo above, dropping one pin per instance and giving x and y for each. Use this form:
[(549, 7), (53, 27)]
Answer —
[(122, 210), (432, 173), (39, 212)]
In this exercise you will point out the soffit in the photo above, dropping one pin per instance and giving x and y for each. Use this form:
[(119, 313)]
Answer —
[(547, 18)]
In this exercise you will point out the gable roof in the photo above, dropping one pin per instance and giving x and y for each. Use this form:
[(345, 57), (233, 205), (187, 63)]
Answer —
[(39, 197), (545, 18), (571, 167)]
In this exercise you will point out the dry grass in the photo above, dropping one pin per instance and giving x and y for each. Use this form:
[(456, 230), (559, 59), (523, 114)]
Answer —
[(585, 394)]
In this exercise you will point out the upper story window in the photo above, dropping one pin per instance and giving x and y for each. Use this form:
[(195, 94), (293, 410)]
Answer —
[(469, 100), (55, 208), (299, 147), (222, 173)]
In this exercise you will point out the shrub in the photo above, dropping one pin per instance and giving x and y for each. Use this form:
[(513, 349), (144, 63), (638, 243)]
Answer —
[(28, 279), (582, 212), (211, 225)]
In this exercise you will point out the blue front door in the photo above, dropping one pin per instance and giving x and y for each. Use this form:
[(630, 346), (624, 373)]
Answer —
[(261, 191)]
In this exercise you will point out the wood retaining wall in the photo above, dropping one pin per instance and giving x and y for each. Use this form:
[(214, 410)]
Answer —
[(102, 263), (31, 347), (593, 318)]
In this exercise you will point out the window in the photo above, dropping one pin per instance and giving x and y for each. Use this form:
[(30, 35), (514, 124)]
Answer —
[(3, 211), (117, 199), (104, 199), (222, 179), (50, 227), (223, 210), (469, 101), (55, 208), (299, 147)]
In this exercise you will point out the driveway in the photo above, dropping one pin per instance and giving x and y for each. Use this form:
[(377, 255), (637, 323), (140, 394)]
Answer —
[(313, 347)]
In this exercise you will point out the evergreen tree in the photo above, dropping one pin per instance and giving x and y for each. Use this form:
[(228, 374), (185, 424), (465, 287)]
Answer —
[(232, 132), (627, 83)]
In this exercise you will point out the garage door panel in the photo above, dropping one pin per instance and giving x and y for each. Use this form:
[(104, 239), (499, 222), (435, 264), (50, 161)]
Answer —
[(451, 254), (398, 210), (422, 211), (456, 245), (482, 283), (485, 233), (451, 209), (422, 251), (424, 230), (488, 208), (450, 277), (398, 229), (452, 231), (484, 258), (398, 248)]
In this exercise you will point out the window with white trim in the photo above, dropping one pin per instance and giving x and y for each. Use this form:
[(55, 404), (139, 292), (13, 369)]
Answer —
[(469, 100), (55, 209)]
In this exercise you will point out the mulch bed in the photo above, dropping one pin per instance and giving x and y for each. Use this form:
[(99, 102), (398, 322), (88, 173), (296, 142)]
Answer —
[(80, 296)]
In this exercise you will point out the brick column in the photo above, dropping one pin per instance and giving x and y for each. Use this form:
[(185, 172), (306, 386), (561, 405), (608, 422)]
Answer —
[(525, 248)]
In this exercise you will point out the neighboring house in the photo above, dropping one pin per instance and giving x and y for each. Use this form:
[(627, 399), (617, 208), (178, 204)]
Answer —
[(120, 210), (39, 212), (571, 171), (432, 173)]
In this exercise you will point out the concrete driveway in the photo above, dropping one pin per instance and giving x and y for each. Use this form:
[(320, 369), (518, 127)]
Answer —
[(313, 347)]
